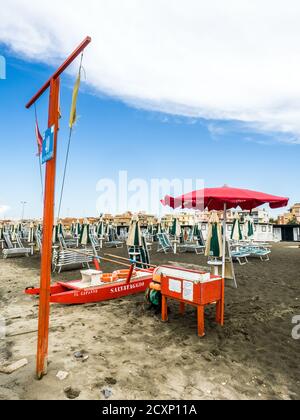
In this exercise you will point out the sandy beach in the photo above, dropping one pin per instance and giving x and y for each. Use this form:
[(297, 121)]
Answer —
[(133, 355)]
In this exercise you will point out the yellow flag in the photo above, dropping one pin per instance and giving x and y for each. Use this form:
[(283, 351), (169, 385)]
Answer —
[(73, 115)]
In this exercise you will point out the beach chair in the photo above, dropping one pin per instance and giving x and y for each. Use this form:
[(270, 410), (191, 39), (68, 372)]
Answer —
[(259, 252), (66, 258), (190, 247), (114, 244), (164, 243), (113, 240), (95, 242), (17, 250), (240, 254), (38, 238)]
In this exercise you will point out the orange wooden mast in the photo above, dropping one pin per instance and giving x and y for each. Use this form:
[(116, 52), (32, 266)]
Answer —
[(53, 120)]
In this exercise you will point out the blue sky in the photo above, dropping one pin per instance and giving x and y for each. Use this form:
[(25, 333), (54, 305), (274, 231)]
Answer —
[(111, 136)]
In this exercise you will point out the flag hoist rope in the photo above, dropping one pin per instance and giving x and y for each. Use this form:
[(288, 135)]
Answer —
[(39, 156), (72, 121)]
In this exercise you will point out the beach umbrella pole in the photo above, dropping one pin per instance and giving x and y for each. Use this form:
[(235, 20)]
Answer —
[(224, 242)]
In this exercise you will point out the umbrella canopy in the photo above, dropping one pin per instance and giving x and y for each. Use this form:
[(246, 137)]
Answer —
[(85, 233), (135, 234), (237, 234), (176, 228), (224, 198), (249, 228), (214, 242), (216, 198)]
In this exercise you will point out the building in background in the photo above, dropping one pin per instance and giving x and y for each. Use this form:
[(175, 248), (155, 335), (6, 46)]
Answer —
[(292, 217)]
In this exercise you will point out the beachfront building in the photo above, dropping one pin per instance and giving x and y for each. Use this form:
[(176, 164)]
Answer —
[(292, 217), (287, 233), (263, 232)]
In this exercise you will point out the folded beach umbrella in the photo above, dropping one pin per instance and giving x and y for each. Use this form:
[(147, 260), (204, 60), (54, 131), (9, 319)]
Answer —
[(100, 229), (15, 229), (150, 228), (30, 239), (160, 227), (214, 244), (57, 230), (175, 228), (77, 230), (198, 235), (135, 234), (145, 256), (85, 233), (249, 228), (237, 234), (73, 228), (55, 234), (1, 231)]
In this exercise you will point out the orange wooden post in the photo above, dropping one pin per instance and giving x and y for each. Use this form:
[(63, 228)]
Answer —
[(48, 220), (44, 308), (220, 308), (164, 308), (201, 322)]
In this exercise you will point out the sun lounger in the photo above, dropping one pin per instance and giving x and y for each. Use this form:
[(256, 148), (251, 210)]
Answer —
[(14, 251), (190, 247), (164, 243), (65, 258), (241, 256), (259, 252), (114, 244)]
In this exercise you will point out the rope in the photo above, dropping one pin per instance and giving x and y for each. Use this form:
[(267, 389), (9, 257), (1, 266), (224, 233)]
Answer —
[(67, 157), (40, 161)]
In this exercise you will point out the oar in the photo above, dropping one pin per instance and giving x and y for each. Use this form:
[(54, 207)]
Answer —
[(127, 259), (86, 254)]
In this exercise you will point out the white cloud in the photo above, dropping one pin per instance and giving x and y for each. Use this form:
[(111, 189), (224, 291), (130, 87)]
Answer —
[(216, 59), (3, 210)]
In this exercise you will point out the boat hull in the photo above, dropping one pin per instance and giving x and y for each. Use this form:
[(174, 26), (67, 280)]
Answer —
[(69, 294)]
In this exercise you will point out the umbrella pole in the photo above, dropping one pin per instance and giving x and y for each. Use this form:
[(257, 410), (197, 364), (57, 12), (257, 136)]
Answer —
[(224, 242)]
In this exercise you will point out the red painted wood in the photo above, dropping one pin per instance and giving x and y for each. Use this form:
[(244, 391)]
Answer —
[(60, 70), (44, 311), (66, 294), (53, 120)]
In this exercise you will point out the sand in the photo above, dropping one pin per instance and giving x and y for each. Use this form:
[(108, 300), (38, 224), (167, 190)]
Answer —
[(133, 355)]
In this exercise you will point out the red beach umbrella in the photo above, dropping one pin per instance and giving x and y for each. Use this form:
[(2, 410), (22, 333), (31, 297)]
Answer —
[(224, 198), (216, 198)]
